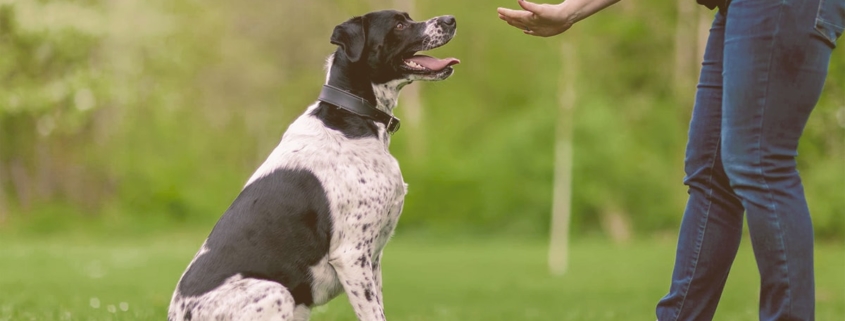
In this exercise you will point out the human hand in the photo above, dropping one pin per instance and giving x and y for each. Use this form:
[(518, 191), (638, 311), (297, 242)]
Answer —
[(544, 20)]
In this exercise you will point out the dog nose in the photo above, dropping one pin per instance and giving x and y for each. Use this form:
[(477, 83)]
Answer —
[(448, 20)]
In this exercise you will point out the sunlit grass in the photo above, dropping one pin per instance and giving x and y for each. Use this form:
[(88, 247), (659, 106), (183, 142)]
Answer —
[(426, 278)]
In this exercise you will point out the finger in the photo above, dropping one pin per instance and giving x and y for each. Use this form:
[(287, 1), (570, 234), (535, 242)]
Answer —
[(514, 14), (517, 24), (504, 17), (513, 22), (533, 33), (530, 6)]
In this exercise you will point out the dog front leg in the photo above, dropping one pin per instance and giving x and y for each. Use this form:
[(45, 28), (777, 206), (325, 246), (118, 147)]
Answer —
[(356, 272), (377, 272)]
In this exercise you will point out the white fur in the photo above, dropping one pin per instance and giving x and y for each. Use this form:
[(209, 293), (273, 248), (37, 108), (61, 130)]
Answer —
[(328, 67), (326, 285), (436, 35), (238, 299)]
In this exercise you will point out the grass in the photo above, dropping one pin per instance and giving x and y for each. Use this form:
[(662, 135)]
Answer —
[(426, 278)]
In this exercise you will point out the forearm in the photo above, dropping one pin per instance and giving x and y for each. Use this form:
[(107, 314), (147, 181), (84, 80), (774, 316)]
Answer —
[(577, 10)]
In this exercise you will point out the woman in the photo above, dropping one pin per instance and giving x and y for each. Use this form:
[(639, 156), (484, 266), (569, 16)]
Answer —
[(763, 71)]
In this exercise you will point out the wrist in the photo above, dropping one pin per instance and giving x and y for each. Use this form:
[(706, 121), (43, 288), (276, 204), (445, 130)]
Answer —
[(568, 16)]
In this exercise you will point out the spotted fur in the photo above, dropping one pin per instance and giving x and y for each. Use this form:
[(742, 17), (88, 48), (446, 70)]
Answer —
[(313, 219)]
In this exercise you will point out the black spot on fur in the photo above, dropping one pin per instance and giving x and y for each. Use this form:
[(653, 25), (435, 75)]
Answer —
[(368, 295), (188, 316), (277, 225)]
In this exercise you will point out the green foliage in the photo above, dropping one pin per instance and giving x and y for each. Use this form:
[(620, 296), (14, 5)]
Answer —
[(158, 111)]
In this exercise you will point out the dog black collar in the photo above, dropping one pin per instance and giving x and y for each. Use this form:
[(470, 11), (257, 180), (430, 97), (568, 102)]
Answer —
[(357, 105)]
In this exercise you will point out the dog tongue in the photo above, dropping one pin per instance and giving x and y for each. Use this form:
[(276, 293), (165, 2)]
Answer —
[(434, 63)]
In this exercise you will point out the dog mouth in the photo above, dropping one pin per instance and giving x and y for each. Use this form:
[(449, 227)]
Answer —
[(423, 64)]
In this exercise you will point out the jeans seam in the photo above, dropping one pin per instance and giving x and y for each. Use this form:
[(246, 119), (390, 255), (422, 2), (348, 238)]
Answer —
[(819, 18), (772, 204), (700, 240), (825, 22), (819, 22)]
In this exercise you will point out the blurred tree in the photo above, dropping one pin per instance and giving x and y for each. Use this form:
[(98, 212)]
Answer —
[(48, 78), (561, 214), (410, 102), (157, 112)]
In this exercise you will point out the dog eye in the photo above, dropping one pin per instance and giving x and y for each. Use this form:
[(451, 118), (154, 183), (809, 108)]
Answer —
[(400, 26)]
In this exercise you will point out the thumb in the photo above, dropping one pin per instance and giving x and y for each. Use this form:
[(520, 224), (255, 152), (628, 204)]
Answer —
[(530, 6)]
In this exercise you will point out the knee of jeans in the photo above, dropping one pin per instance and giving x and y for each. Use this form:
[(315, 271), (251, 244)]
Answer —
[(698, 168), (694, 174), (750, 170), (741, 169)]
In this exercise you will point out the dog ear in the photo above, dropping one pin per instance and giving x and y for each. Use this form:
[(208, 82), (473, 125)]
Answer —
[(351, 37)]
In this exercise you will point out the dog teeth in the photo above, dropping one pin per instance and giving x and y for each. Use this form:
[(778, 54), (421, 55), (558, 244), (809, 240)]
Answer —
[(413, 64)]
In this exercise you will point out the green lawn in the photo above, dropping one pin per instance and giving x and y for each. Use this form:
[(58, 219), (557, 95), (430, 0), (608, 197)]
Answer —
[(426, 278)]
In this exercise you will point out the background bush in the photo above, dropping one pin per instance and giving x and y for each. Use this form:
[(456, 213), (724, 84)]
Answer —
[(154, 113)]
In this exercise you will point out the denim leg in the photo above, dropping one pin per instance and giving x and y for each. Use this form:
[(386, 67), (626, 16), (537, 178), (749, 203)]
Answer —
[(711, 228), (774, 69)]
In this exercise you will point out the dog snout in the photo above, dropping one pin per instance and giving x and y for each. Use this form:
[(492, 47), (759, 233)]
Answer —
[(447, 20)]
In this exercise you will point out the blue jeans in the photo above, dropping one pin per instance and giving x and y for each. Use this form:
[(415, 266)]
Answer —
[(764, 68)]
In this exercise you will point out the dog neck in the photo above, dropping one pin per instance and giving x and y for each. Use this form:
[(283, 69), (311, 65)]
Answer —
[(387, 94), (354, 78)]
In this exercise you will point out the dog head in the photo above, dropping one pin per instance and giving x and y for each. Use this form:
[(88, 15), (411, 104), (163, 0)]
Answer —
[(382, 47)]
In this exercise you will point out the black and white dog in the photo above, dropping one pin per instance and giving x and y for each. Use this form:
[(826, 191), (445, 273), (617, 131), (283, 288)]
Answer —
[(313, 219)]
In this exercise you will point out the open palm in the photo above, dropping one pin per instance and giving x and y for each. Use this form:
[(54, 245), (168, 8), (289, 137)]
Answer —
[(542, 20)]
